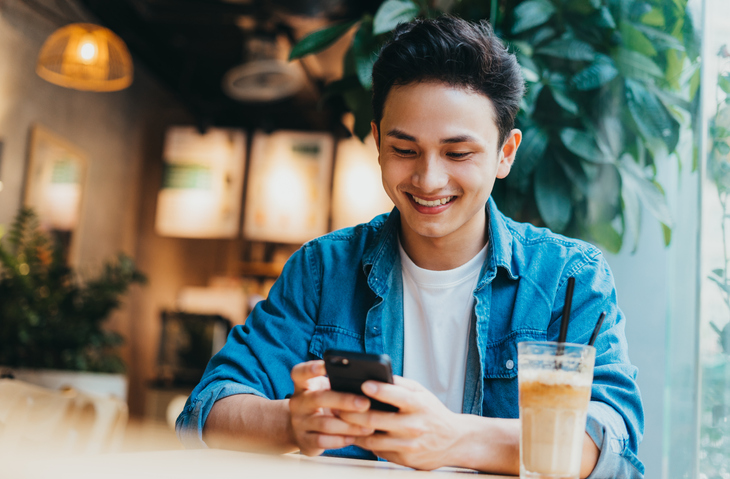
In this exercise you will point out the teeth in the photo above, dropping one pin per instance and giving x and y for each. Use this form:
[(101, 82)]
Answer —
[(442, 201)]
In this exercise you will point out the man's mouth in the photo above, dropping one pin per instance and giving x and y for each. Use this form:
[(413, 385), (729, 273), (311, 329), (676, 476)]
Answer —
[(432, 203)]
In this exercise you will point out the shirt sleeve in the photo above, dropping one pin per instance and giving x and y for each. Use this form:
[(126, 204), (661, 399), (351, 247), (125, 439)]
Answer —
[(258, 356), (615, 414)]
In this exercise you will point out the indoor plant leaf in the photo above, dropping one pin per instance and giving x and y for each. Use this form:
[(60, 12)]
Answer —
[(530, 153), (597, 74), (633, 64), (552, 195), (363, 48), (570, 49), (652, 196), (651, 116), (631, 212), (319, 40), (393, 12), (531, 13), (583, 144)]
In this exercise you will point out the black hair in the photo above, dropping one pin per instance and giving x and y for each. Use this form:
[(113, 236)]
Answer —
[(452, 51)]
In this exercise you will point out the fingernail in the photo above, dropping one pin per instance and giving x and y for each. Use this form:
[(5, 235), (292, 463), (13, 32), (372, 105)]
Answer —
[(369, 387), (361, 403), (365, 430), (314, 367)]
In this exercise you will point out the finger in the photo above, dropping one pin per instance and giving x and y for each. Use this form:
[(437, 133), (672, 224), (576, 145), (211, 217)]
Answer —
[(333, 426), (314, 400), (408, 383), (303, 372), (326, 441), (377, 420), (403, 398)]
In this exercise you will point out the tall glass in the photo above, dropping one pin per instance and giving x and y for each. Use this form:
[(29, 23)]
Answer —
[(555, 389)]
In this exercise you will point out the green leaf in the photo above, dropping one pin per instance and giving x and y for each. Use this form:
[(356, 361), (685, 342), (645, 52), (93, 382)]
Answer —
[(636, 40), (363, 48), (597, 74), (654, 17), (569, 49), (531, 13), (635, 65), (358, 102), (631, 212), (662, 41), (606, 235), (649, 192), (530, 153), (319, 40), (667, 234), (651, 116), (722, 148), (552, 195), (583, 144), (564, 101), (606, 19), (393, 12), (719, 272)]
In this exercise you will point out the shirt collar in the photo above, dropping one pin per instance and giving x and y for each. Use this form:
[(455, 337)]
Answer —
[(382, 253)]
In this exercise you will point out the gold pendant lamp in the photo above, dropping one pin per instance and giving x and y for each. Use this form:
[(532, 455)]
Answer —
[(85, 57)]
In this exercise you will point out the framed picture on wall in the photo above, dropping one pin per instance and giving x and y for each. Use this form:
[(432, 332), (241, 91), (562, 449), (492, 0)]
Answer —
[(288, 194), (202, 185), (54, 186)]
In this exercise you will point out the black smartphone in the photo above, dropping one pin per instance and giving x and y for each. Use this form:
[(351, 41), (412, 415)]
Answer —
[(348, 370)]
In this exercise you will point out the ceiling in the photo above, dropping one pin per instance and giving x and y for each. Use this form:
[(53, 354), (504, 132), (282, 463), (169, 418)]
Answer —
[(189, 45)]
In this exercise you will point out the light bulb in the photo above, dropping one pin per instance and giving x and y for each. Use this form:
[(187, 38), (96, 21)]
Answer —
[(87, 50)]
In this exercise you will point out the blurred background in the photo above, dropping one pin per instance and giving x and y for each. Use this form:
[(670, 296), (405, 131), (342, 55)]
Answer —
[(161, 159)]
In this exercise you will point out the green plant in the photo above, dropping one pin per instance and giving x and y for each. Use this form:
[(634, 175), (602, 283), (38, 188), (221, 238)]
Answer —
[(610, 85), (48, 318)]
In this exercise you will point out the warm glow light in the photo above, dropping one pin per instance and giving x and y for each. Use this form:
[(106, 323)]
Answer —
[(85, 57), (358, 194), (88, 50), (1, 185)]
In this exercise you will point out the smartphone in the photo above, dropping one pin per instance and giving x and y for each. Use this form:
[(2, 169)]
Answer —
[(348, 370)]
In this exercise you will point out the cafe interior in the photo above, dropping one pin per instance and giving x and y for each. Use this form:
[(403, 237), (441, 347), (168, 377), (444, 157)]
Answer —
[(160, 160)]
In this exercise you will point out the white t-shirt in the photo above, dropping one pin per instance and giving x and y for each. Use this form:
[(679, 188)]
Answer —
[(437, 309)]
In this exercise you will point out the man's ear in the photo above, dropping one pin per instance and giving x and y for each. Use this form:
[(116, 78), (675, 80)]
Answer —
[(376, 134), (508, 153)]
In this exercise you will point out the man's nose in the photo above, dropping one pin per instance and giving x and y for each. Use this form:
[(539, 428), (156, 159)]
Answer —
[(430, 175)]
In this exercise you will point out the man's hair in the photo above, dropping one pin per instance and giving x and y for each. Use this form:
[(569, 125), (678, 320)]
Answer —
[(455, 52)]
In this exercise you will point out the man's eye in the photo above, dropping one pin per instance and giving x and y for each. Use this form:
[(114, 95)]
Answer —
[(458, 155), (398, 151)]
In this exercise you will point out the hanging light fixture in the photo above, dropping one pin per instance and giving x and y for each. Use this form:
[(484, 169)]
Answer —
[(85, 57)]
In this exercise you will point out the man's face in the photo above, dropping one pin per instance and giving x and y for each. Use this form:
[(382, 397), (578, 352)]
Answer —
[(440, 154)]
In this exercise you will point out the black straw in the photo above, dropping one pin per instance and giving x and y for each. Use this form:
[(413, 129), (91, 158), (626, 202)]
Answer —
[(566, 310), (597, 329)]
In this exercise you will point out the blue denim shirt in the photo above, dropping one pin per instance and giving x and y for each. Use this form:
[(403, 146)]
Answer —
[(344, 291)]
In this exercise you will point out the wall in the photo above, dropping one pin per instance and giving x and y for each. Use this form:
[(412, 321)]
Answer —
[(116, 130)]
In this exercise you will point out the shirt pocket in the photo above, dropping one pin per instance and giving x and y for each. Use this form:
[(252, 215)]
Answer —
[(500, 357), (333, 337)]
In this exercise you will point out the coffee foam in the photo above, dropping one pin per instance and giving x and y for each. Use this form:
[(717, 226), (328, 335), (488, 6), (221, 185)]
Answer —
[(556, 377)]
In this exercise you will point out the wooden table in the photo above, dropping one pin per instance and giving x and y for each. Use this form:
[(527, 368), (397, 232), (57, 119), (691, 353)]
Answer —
[(210, 464)]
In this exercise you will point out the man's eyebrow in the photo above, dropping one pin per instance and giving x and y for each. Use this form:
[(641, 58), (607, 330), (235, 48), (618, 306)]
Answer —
[(459, 139), (400, 135)]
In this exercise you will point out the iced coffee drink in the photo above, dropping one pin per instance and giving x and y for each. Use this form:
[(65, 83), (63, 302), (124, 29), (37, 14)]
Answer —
[(555, 389)]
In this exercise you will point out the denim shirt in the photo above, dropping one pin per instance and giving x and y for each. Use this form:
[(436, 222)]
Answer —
[(344, 291)]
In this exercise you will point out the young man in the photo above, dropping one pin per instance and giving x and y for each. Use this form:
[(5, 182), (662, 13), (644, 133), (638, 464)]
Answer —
[(445, 284)]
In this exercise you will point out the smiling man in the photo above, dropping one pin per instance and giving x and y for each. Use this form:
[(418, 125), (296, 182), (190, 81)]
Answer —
[(444, 284)]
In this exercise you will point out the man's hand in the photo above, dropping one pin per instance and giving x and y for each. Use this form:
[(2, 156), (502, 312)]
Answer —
[(315, 427), (421, 435)]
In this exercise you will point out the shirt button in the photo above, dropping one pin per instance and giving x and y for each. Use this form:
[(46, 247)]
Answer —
[(510, 364)]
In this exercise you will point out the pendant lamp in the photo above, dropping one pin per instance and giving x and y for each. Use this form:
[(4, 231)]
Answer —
[(85, 57)]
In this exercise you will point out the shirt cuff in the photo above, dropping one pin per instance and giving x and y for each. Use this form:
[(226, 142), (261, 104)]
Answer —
[(607, 429), (190, 422)]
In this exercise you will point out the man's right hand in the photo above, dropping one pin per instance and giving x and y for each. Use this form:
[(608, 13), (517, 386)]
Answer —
[(314, 411)]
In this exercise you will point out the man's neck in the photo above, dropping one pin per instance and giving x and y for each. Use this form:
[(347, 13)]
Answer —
[(447, 252)]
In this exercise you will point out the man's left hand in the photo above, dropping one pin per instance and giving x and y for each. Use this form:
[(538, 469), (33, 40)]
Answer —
[(421, 435)]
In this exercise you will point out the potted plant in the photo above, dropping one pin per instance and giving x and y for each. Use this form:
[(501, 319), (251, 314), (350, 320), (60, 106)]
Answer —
[(52, 322)]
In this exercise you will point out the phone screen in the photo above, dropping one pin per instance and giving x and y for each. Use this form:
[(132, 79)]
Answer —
[(348, 370)]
